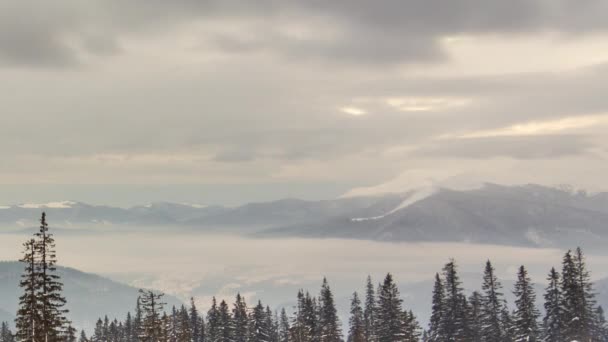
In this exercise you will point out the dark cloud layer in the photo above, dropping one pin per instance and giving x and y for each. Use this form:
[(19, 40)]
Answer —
[(60, 33)]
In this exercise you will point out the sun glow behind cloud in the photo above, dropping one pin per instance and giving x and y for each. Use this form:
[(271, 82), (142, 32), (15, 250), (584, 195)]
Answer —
[(353, 111), (537, 127)]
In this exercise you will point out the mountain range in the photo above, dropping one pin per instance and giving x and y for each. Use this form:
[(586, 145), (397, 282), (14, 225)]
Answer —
[(528, 215)]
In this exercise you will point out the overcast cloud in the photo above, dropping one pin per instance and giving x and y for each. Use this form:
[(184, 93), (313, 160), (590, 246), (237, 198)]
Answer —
[(292, 95)]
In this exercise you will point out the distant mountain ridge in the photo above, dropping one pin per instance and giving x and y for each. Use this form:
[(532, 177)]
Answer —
[(527, 215)]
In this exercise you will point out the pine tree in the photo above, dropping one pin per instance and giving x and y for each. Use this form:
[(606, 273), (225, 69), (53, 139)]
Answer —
[(525, 318), (128, 328), (492, 329), (49, 287), (356, 322), (137, 321), (389, 315), (184, 330), (28, 319), (284, 327), (195, 322), (240, 319), (151, 307), (273, 324), (5, 333), (552, 322), (437, 311), (600, 333), (475, 303), (259, 329), (329, 328), (213, 323), (587, 296), (369, 313), (83, 337), (225, 323), (453, 326), (411, 327)]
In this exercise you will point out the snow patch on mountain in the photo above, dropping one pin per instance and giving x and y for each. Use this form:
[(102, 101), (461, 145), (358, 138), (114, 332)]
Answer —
[(413, 198), (51, 205)]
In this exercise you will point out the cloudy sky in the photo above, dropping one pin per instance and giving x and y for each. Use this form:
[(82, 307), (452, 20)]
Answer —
[(228, 101)]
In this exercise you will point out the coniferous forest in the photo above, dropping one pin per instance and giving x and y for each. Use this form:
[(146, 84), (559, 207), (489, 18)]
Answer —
[(565, 312)]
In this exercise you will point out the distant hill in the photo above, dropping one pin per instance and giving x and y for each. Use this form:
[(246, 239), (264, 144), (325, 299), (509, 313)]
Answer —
[(89, 296)]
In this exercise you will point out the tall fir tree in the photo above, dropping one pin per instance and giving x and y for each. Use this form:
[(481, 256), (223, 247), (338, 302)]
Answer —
[(492, 329), (475, 304), (240, 319), (389, 315), (453, 326), (259, 330), (588, 303), (600, 334), (329, 324), (525, 317), (552, 322), (195, 321), (437, 311), (6, 335), (151, 307), (284, 327), (28, 319), (356, 332), (213, 322), (369, 313), (225, 323)]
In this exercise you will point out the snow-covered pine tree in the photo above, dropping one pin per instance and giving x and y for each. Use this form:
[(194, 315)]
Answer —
[(474, 307), (273, 323), (329, 324), (389, 314), (6, 334), (552, 322), (184, 330), (151, 307), (137, 321), (213, 323), (284, 327), (51, 302), (128, 328), (453, 322), (369, 313), (574, 300), (166, 327), (259, 330), (83, 337), (225, 323), (588, 303), (437, 310), (28, 319), (356, 332), (600, 334), (240, 319), (525, 316), (195, 322), (411, 327), (492, 329)]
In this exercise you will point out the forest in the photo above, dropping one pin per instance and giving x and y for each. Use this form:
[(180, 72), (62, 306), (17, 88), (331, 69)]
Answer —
[(566, 312)]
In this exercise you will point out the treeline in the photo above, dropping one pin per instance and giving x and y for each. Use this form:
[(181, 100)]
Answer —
[(571, 312)]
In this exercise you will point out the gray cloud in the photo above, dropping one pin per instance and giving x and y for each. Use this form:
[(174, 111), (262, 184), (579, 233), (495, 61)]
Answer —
[(518, 147), (365, 32)]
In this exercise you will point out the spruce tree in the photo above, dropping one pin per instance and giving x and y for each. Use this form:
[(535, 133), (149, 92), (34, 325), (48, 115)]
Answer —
[(453, 326), (284, 327), (437, 311), (213, 323), (356, 332), (225, 323), (194, 321), (49, 287), (369, 313), (475, 304), (83, 337), (600, 333), (492, 329), (151, 307), (28, 318), (259, 330), (588, 303), (525, 317), (552, 322), (389, 315), (240, 319), (5, 333), (329, 325)]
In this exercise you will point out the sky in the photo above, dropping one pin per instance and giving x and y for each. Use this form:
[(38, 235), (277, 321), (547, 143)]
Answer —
[(229, 101)]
